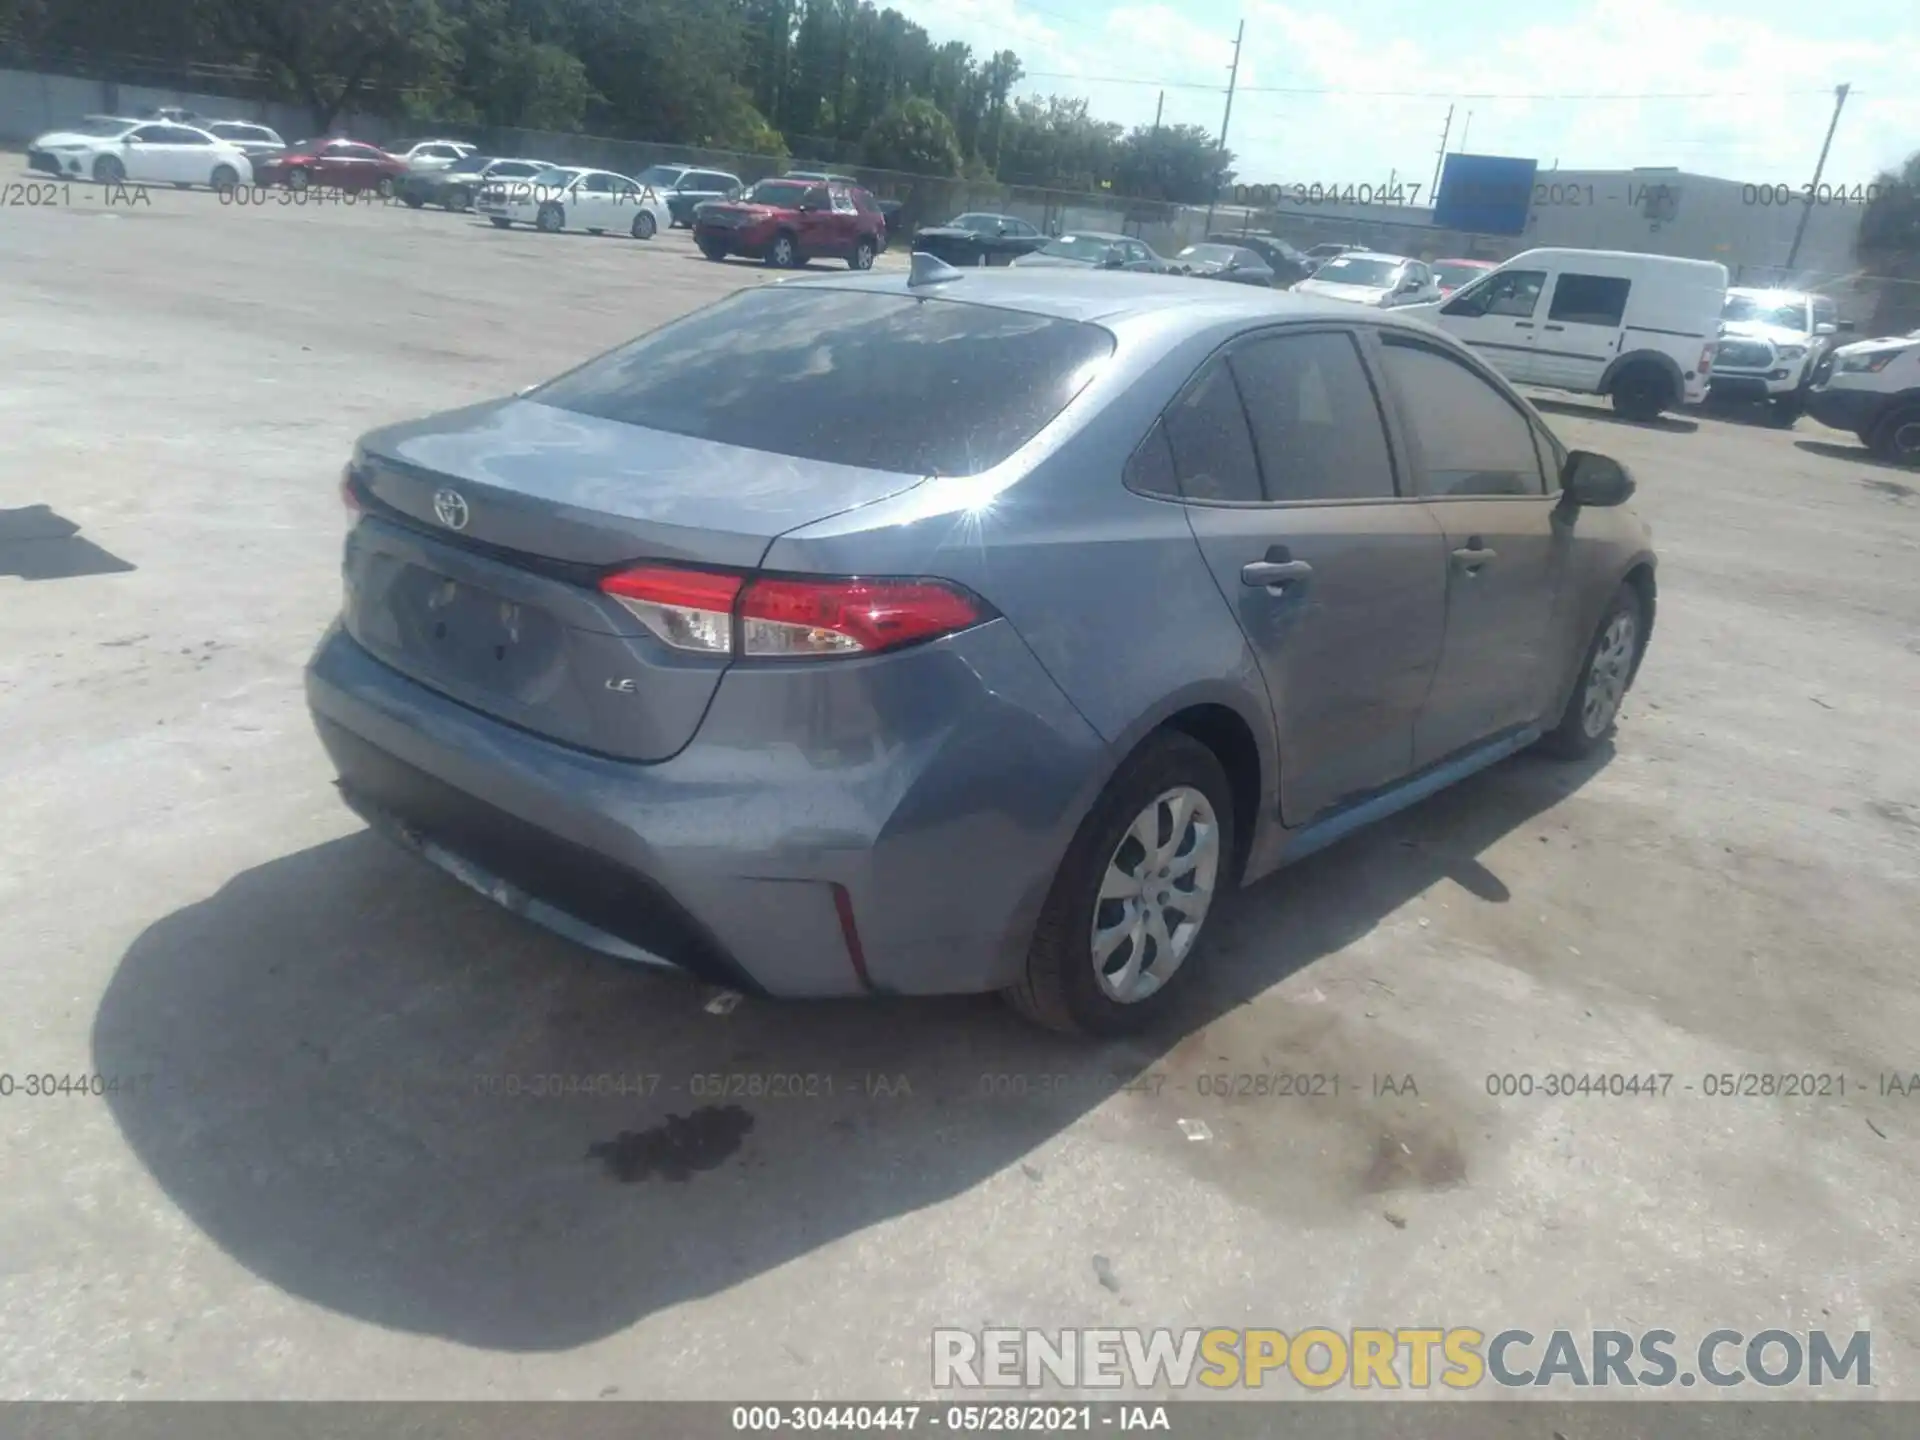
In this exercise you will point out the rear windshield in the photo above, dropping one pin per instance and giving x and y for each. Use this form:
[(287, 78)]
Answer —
[(883, 381)]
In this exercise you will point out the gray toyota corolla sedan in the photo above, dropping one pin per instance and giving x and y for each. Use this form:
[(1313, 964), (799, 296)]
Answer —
[(963, 631)]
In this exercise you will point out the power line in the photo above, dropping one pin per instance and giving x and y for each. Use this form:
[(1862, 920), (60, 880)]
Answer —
[(1418, 94)]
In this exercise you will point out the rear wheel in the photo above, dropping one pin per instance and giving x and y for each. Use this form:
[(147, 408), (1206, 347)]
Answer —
[(711, 250), (298, 179), (414, 200), (551, 217), (384, 189), (644, 226), (783, 254), (1606, 669), (862, 257), (1123, 922), (109, 171), (501, 222), (1641, 392), (1897, 437), (458, 198)]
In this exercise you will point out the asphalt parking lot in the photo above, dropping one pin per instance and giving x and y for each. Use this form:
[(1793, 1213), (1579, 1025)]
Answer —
[(315, 1179)]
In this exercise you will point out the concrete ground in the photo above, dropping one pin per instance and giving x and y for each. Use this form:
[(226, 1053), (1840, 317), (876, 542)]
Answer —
[(311, 1182)]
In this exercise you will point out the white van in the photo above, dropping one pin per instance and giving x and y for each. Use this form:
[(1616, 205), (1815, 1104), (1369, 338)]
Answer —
[(1638, 328)]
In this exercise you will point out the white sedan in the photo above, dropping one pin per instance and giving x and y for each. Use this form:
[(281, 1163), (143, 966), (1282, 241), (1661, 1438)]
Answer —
[(114, 151), (568, 199)]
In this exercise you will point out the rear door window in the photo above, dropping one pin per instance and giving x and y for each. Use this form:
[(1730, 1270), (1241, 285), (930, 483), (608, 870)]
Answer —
[(888, 382), (1212, 448), (1316, 424), (1589, 299)]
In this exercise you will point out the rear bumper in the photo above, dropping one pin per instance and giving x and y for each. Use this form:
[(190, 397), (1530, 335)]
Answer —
[(821, 854)]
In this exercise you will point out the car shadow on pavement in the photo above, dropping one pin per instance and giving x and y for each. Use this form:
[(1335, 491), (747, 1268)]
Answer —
[(385, 1096), (1860, 455), (1573, 409)]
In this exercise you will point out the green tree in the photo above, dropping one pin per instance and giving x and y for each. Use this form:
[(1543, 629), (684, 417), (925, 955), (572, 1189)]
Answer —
[(1181, 163), (914, 136), (1891, 225), (330, 54), (1056, 144)]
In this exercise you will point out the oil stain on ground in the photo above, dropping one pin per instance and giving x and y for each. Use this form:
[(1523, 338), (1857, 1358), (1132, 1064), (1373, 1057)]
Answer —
[(676, 1147)]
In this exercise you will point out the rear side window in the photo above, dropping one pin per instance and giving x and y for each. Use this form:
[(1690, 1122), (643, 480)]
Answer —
[(1212, 449), (1316, 425), (1471, 439), (888, 382), (1589, 299)]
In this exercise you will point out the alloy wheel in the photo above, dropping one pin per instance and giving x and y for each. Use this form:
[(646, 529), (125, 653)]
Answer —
[(1607, 679), (1155, 894)]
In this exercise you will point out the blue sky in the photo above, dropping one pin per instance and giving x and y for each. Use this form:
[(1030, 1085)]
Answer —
[(1767, 68)]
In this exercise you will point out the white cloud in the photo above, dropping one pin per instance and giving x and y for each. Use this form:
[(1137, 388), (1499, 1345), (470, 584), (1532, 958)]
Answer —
[(1773, 134)]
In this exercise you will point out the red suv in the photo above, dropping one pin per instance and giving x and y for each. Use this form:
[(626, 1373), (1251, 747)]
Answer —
[(345, 164), (788, 222)]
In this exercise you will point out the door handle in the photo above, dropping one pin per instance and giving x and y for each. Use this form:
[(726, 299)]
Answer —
[(1523, 324), (1471, 556), (1274, 573), (1556, 327)]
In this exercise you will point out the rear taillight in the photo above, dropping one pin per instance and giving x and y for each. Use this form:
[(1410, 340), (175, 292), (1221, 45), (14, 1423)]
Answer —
[(718, 614), (1706, 359)]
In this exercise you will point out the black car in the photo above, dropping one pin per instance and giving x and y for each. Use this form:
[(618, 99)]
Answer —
[(1233, 263), (1287, 263), (1096, 250), (684, 187), (979, 238), (455, 187)]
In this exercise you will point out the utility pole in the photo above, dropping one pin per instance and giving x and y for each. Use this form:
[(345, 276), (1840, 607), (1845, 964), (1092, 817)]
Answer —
[(1463, 132), (1800, 231), (1158, 106), (1440, 157), (1233, 79)]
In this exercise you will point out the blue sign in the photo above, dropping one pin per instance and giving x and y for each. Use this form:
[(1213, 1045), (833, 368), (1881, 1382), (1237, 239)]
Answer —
[(1485, 194)]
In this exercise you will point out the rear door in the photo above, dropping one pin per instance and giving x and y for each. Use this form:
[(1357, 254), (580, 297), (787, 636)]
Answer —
[(1498, 317), (1280, 452), (1478, 458), (590, 201), (1580, 333)]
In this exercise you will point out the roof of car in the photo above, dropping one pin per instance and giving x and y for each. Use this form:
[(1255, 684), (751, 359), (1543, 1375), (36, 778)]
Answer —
[(1075, 294), (1374, 255)]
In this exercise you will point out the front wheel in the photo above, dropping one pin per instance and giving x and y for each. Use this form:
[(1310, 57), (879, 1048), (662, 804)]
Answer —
[(384, 189), (783, 254), (1897, 438), (1123, 922), (298, 180), (458, 198), (1641, 392), (501, 222), (551, 218), (644, 225), (1784, 410), (711, 250), (225, 179), (109, 171), (862, 257), (1606, 669)]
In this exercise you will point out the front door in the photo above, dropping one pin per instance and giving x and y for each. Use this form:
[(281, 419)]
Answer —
[(1478, 459), (818, 225), (1497, 317), (1581, 332), (149, 154), (1337, 583)]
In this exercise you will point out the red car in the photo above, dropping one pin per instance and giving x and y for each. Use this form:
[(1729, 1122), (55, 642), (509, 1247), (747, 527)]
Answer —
[(341, 163), (1452, 274), (788, 222)]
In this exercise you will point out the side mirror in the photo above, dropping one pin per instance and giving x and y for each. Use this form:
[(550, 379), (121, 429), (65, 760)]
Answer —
[(132, 140), (1590, 479)]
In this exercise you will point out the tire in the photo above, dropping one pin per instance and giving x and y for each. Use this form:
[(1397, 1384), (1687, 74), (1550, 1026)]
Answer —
[(384, 189), (1641, 392), (550, 218), (1896, 438), (644, 225), (863, 253), (783, 253), (1062, 988), (458, 198), (1607, 668), (501, 222), (225, 179), (711, 250), (298, 179), (109, 171), (1784, 410)]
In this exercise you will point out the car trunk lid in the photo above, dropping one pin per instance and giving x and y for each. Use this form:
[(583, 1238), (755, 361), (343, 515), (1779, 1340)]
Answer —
[(488, 529)]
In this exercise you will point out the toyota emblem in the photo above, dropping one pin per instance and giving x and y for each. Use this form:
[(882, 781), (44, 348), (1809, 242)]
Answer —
[(450, 509)]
